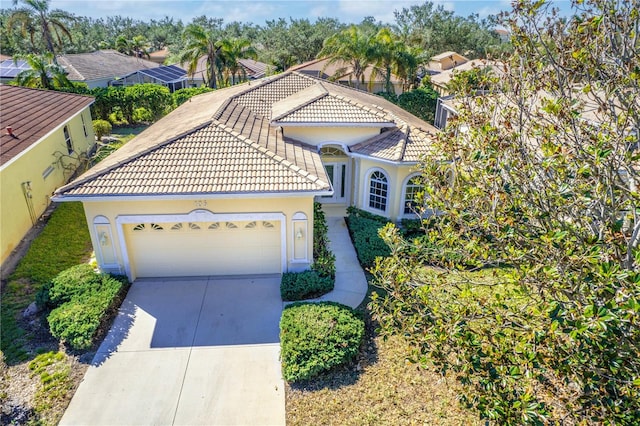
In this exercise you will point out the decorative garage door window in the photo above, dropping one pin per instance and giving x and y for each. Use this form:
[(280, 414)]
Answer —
[(150, 227), (193, 226)]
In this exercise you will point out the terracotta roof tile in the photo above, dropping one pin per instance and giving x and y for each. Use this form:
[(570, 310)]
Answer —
[(33, 113), (210, 160), (333, 109), (406, 144), (102, 64)]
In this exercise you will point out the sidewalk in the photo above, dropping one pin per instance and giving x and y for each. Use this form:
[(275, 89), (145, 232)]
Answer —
[(351, 285)]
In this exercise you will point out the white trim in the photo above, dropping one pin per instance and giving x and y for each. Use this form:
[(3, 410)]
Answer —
[(367, 183), (329, 124), (102, 220), (300, 217), (198, 215), (203, 196), (343, 146), (382, 160), (36, 143), (402, 214)]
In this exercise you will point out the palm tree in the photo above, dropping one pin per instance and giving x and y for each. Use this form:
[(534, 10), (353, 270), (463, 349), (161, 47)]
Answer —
[(384, 48), (35, 17), (408, 60), (231, 51), (137, 46), (351, 47), (43, 73), (201, 42)]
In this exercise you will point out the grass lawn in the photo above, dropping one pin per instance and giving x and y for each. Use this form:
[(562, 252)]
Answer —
[(380, 388), (36, 379), (127, 131)]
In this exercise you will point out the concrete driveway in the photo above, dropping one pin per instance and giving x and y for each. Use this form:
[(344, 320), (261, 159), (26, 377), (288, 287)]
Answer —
[(188, 352)]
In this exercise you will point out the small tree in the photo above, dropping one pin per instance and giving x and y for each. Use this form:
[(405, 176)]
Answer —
[(101, 128)]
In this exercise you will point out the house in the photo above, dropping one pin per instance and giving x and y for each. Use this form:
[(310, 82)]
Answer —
[(170, 76), (159, 56), (446, 61), (99, 68), (253, 70), (343, 74), (44, 133), (225, 184)]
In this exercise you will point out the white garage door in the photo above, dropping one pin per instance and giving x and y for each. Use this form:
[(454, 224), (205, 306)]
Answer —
[(204, 248)]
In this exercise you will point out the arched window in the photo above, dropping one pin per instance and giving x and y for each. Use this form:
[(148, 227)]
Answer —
[(411, 190), (378, 191)]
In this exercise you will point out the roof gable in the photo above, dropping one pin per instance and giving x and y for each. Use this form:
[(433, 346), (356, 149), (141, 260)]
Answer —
[(32, 114)]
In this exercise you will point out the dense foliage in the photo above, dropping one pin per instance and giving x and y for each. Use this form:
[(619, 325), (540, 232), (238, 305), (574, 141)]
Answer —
[(316, 337), (545, 187), (324, 261), (80, 299), (304, 285), (363, 227), (101, 128)]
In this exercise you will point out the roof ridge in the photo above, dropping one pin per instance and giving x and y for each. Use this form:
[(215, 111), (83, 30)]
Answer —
[(137, 154), (277, 158), (304, 104)]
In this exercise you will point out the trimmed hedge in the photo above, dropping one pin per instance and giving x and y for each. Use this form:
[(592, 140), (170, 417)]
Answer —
[(80, 299), (363, 227), (316, 337), (304, 285), (321, 278)]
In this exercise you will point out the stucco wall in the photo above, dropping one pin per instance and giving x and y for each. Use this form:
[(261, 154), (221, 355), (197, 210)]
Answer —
[(30, 167), (287, 206), (320, 135), (396, 175)]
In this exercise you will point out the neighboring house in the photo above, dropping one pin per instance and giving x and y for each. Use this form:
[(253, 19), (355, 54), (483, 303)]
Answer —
[(252, 69), (320, 68), (159, 56), (170, 76), (99, 68), (225, 184), (446, 61), (440, 81), (43, 134)]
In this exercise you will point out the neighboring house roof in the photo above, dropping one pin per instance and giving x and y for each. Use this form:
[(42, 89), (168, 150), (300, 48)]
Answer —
[(321, 68), (4, 57), (164, 74), (10, 69), (448, 54), (227, 142), (32, 113), (253, 69), (159, 56), (102, 64), (443, 78)]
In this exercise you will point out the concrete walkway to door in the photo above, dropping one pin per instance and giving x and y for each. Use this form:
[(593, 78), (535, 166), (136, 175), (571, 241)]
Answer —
[(351, 284)]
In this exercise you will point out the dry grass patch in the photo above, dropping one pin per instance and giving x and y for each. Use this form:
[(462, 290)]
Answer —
[(380, 388)]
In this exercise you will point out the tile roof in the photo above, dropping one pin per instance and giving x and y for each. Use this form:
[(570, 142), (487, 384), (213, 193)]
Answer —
[(225, 141), (102, 64), (321, 68), (32, 113), (254, 69), (406, 144), (210, 160)]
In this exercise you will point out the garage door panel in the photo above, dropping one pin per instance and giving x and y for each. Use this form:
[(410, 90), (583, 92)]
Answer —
[(191, 249)]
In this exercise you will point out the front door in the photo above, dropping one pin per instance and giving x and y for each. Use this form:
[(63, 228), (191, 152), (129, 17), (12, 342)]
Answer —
[(337, 173)]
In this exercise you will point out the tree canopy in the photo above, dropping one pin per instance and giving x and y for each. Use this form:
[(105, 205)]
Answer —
[(525, 283)]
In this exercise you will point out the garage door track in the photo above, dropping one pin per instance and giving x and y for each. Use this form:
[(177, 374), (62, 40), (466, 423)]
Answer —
[(187, 352)]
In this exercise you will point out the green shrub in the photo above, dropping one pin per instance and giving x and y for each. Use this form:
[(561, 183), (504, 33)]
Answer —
[(81, 298), (72, 282), (324, 261), (76, 322), (142, 114), (363, 227), (304, 285), (316, 337), (420, 102), (101, 128)]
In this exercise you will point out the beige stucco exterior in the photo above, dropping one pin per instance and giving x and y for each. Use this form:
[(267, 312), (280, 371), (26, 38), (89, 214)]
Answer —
[(111, 223), (397, 175), (45, 165), (327, 135)]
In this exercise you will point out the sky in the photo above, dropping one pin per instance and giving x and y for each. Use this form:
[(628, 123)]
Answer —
[(259, 11)]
